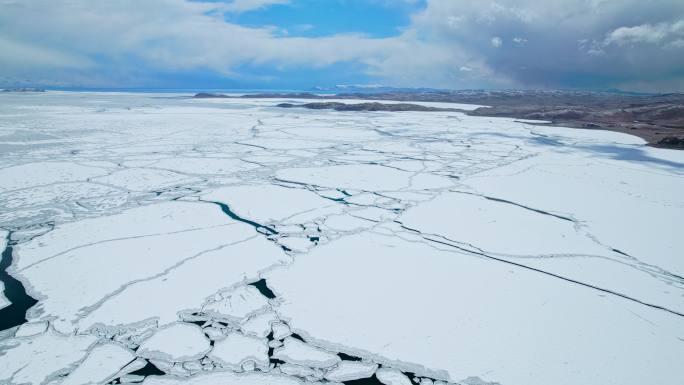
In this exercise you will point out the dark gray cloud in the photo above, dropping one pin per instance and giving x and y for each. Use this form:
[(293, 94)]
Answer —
[(565, 43)]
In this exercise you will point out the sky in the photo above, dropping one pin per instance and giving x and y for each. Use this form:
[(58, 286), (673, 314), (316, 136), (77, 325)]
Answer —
[(632, 45)]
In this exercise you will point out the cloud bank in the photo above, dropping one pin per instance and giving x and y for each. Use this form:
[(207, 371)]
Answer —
[(629, 44)]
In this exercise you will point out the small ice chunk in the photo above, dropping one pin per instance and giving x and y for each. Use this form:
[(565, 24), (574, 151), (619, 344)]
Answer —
[(4, 302), (236, 348), (298, 352), (176, 343), (259, 325), (100, 366), (214, 334), (238, 304), (392, 377), (192, 366), (296, 370), (275, 344), (248, 366), (425, 381), (351, 370), (280, 330), (31, 329)]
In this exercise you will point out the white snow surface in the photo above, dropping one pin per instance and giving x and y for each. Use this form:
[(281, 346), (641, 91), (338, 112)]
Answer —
[(101, 364), (454, 296), (466, 249), (35, 359)]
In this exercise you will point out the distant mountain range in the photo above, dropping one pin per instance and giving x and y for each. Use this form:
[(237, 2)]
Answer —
[(657, 118)]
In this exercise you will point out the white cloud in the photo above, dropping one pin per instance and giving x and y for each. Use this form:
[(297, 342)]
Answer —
[(18, 55), (250, 5), (120, 40), (646, 33)]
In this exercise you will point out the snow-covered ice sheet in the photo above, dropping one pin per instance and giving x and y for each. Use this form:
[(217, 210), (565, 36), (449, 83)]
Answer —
[(412, 303), (173, 240)]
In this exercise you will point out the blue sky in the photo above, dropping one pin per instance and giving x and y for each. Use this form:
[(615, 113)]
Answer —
[(635, 45), (313, 18)]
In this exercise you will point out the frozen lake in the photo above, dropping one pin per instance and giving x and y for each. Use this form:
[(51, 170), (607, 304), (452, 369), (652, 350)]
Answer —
[(160, 239)]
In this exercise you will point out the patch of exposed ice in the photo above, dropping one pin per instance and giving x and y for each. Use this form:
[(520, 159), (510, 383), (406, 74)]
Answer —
[(351, 370), (259, 325), (280, 330), (296, 370), (176, 343), (392, 377), (232, 351), (297, 352)]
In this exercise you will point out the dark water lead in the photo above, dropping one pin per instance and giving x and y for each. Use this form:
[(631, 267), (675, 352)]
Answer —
[(230, 213), (365, 381), (14, 314), (263, 288), (148, 370)]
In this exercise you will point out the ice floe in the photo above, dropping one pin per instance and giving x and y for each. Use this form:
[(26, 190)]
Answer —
[(351, 370), (234, 350), (297, 352), (178, 342), (392, 377)]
